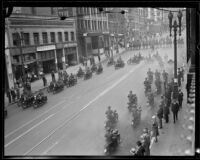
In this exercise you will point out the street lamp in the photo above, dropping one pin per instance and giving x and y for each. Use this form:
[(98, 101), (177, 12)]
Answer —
[(175, 26)]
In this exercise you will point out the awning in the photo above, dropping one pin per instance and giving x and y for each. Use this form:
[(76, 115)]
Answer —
[(90, 34), (29, 62)]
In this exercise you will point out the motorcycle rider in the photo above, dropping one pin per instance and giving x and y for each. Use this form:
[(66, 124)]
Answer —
[(132, 98), (151, 98), (150, 75), (115, 114), (109, 113), (147, 85)]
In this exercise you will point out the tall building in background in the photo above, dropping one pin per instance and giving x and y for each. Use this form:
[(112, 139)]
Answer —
[(40, 41), (92, 31)]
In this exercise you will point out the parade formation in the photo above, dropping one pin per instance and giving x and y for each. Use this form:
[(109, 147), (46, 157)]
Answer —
[(121, 101)]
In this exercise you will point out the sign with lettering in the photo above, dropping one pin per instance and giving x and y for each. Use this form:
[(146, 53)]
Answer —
[(70, 45), (28, 50), (46, 48)]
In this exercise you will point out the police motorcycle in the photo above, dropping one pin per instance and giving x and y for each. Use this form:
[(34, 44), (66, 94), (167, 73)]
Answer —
[(99, 69), (50, 87), (94, 67), (72, 80), (28, 101), (119, 64), (136, 114), (110, 61), (58, 86), (39, 100), (132, 101), (112, 118), (80, 73), (150, 76), (147, 86), (133, 60), (112, 141), (158, 86), (150, 100), (88, 73)]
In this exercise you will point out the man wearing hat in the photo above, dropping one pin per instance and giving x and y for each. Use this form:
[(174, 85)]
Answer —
[(175, 108), (160, 115), (146, 141), (140, 149), (180, 98), (155, 132)]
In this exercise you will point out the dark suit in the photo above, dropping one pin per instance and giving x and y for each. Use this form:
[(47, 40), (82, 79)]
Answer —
[(180, 99), (160, 116), (166, 113), (175, 108)]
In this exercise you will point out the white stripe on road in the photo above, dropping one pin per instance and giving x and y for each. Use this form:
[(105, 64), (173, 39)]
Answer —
[(12, 132), (73, 116), (28, 131)]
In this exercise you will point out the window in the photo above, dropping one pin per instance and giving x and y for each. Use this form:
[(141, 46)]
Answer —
[(36, 38), (53, 37), (16, 40), (60, 37), (26, 38), (44, 37), (72, 36), (66, 37), (89, 24), (53, 11)]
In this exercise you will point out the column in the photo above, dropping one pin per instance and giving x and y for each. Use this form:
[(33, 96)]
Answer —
[(56, 62), (63, 59)]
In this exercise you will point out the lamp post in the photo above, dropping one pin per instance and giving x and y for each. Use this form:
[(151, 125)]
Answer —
[(175, 26)]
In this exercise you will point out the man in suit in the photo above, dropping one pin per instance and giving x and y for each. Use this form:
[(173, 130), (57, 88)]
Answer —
[(175, 108), (160, 115), (180, 98)]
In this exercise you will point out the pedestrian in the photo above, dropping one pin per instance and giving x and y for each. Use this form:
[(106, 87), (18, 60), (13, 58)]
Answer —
[(155, 131), (146, 141), (44, 80), (182, 73), (179, 77), (8, 93), (140, 149), (53, 76), (99, 58), (175, 108), (13, 94), (166, 113), (180, 98), (160, 115), (17, 92)]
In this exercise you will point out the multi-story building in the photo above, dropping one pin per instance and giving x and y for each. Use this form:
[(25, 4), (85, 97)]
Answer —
[(92, 31), (39, 40)]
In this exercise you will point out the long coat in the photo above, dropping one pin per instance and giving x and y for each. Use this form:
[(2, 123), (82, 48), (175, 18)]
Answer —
[(175, 107), (155, 129)]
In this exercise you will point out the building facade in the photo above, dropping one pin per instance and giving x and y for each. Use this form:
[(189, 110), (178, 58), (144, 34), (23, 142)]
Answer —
[(40, 41), (92, 30)]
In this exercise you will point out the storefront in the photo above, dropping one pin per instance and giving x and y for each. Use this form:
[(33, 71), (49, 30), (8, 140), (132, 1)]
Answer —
[(70, 52), (46, 61)]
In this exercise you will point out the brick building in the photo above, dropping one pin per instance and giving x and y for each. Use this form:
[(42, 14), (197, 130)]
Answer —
[(46, 42)]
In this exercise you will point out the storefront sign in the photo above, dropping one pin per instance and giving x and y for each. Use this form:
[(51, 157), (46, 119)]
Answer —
[(28, 50), (70, 45), (59, 45), (46, 48)]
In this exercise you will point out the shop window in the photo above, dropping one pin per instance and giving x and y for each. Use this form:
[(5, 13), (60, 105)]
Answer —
[(16, 39), (53, 38), (60, 37), (36, 38), (72, 36), (26, 38), (44, 37), (66, 37)]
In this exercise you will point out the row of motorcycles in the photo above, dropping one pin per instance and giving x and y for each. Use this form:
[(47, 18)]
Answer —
[(117, 64), (28, 100), (135, 59)]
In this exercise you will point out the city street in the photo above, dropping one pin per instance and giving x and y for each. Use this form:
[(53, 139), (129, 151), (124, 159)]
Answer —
[(72, 121)]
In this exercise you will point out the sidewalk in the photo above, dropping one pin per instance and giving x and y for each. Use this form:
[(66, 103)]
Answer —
[(38, 84), (173, 139)]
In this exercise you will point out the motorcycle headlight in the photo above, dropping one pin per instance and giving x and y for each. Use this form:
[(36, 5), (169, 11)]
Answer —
[(105, 150)]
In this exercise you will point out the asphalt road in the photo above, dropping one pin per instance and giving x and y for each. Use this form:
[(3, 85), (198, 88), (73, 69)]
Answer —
[(72, 122)]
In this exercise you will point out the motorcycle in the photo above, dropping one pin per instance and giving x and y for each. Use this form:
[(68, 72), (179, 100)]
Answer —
[(39, 100), (110, 62), (150, 99), (136, 117), (94, 68), (99, 70), (58, 86), (112, 121), (131, 106), (112, 145), (119, 65), (87, 75), (147, 89), (72, 81), (80, 73), (50, 87), (158, 86), (28, 102)]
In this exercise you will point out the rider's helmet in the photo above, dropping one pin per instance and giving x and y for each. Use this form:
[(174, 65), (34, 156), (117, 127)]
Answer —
[(109, 107), (115, 131)]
